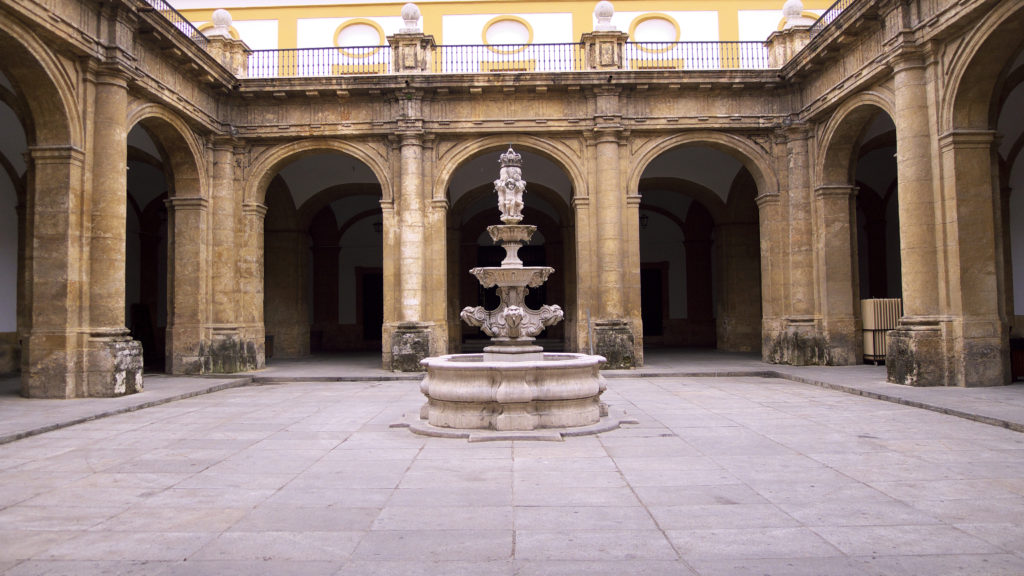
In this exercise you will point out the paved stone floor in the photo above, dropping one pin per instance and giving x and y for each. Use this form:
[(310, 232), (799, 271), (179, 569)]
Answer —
[(731, 475)]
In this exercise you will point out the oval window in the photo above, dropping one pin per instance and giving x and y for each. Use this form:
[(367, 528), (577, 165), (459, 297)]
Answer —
[(656, 29), (359, 34), (508, 31)]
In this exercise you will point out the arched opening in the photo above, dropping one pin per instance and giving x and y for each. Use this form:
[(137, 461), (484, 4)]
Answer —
[(700, 277), (878, 217), (474, 208), (981, 129), (146, 247), (43, 162), (1010, 126), (323, 254), (857, 190), (13, 175)]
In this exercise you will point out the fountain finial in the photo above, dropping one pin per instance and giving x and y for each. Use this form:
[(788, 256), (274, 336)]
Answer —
[(510, 187)]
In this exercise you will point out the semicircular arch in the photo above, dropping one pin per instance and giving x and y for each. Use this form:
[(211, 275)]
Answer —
[(269, 162), (971, 81), (553, 150), (756, 160), (45, 85), (841, 135), (182, 147)]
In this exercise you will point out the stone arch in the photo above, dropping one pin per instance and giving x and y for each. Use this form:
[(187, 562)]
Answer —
[(51, 97), (755, 159), (269, 162), (557, 152), (840, 138), (181, 147), (967, 99)]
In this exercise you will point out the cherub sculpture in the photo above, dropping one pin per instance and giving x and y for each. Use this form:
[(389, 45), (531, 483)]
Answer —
[(510, 187)]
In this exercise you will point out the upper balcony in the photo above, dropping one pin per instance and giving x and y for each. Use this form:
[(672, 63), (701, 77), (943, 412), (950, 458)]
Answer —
[(412, 52)]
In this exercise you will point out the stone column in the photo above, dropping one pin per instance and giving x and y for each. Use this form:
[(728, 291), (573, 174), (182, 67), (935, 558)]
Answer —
[(802, 343), (772, 242), (979, 332), (917, 354), (835, 241), (586, 293), (613, 337), (227, 347), (187, 342), (51, 363), (250, 283), (410, 340), (114, 360), (631, 275)]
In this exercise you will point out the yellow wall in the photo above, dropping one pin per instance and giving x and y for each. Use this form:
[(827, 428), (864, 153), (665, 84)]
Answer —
[(728, 20)]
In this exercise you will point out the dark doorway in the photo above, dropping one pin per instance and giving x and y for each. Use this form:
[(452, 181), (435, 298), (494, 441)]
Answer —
[(651, 295)]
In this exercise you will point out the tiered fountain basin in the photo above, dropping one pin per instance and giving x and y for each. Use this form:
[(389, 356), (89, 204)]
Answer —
[(514, 390), (465, 391)]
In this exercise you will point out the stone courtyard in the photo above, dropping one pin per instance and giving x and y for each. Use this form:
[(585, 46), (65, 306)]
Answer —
[(727, 472)]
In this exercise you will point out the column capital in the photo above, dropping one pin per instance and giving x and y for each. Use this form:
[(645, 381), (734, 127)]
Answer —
[(56, 154), (836, 191), (187, 203), (967, 139), (764, 200), (254, 209)]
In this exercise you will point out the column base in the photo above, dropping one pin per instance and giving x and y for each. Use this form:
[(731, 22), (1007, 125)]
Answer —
[(916, 355), (114, 366), (229, 352), (798, 342), (927, 352), (187, 351), (614, 340), (410, 343), (51, 365)]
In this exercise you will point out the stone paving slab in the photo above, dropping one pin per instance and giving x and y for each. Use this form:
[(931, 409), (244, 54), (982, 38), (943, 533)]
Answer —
[(22, 417), (998, 406), (715, 479)]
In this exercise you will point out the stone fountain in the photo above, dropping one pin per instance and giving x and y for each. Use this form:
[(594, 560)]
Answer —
[(514, 389)]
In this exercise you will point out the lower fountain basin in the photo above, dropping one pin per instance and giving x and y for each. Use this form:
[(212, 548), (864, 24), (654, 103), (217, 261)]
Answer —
[(558, 391)]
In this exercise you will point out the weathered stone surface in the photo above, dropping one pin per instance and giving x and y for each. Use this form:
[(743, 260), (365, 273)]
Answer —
[(614, 341), (410, 344)]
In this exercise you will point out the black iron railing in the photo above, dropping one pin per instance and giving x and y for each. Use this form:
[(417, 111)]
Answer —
[(829, 15), (178, 21), (696, 56), (455, 59), (309, 62)]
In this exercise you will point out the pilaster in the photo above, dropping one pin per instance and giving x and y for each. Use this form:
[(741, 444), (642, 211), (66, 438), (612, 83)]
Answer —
[(604, 50), (250, 283), (836, 248), (52, 364), (411, 53), (188, 346)]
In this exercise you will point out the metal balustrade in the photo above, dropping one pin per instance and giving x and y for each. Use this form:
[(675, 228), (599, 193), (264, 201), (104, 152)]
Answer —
[(829, 15), (696, 56), (312, 62), (472, 59), (178, 21)]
